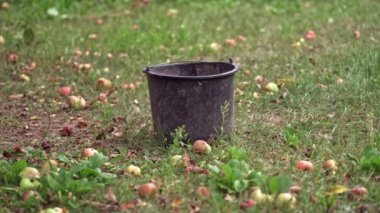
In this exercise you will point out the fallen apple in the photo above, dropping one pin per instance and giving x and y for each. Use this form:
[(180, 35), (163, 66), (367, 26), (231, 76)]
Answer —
[(215, 46), (172, 13), (176, 160), (285, 199), (46, 167), (272, 87), (230, 42), (104, 83), (304, 165), (134, 170), (29, 194), (89, 152), (12, 58), (202, 147), (29, 184), (76, 102), (260, 79), (359, 191), (4, 6), (102, 98), (294, 189), (310, 35), (247, 204), (24, 77), (247, 72), (330, 165), (240, 38), (203, 191), (54, 210), (30, 172), (147, 190), (258, 196), (65, 91), (357, 34)]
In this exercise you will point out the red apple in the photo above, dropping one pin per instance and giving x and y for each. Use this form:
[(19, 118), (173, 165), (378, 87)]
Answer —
[(230, 42), (310, 35), (28, 194), (202, 147), (12, 57), (103, 97), (304, 165), (247, 204), (203, 191), (359, 191), (89, 152), (294, 189), (147, 190)]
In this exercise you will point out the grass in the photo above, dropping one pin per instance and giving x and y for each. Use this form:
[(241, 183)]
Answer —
[(331, 110)]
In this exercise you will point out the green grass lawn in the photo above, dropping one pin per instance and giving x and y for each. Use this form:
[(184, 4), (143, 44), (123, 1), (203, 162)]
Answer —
[(328, 106)]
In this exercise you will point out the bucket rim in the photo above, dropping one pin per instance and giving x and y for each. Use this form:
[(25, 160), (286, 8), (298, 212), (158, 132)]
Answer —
[(220, 75)]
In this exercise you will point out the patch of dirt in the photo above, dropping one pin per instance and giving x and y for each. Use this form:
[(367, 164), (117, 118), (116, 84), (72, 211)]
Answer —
[(28, 126)]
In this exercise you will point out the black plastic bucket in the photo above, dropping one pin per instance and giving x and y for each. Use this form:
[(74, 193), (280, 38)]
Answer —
[(198, 95)]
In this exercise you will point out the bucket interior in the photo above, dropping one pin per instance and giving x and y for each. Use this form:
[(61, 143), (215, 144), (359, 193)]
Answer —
[(192, 69)]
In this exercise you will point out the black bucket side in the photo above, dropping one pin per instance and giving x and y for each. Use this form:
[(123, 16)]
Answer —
[(196, 104), (204, 106)]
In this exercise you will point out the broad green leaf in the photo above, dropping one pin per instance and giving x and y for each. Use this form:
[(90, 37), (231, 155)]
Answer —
[(54, 184), (63, 158), (240, 185)]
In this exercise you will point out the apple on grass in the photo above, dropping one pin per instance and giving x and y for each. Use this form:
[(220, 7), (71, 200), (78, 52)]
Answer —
[(29, 184), (30, 172), (202, 147), (89, 152), (65, 91), (134, 170), (147, 190), (104, 83), (76, 102)]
